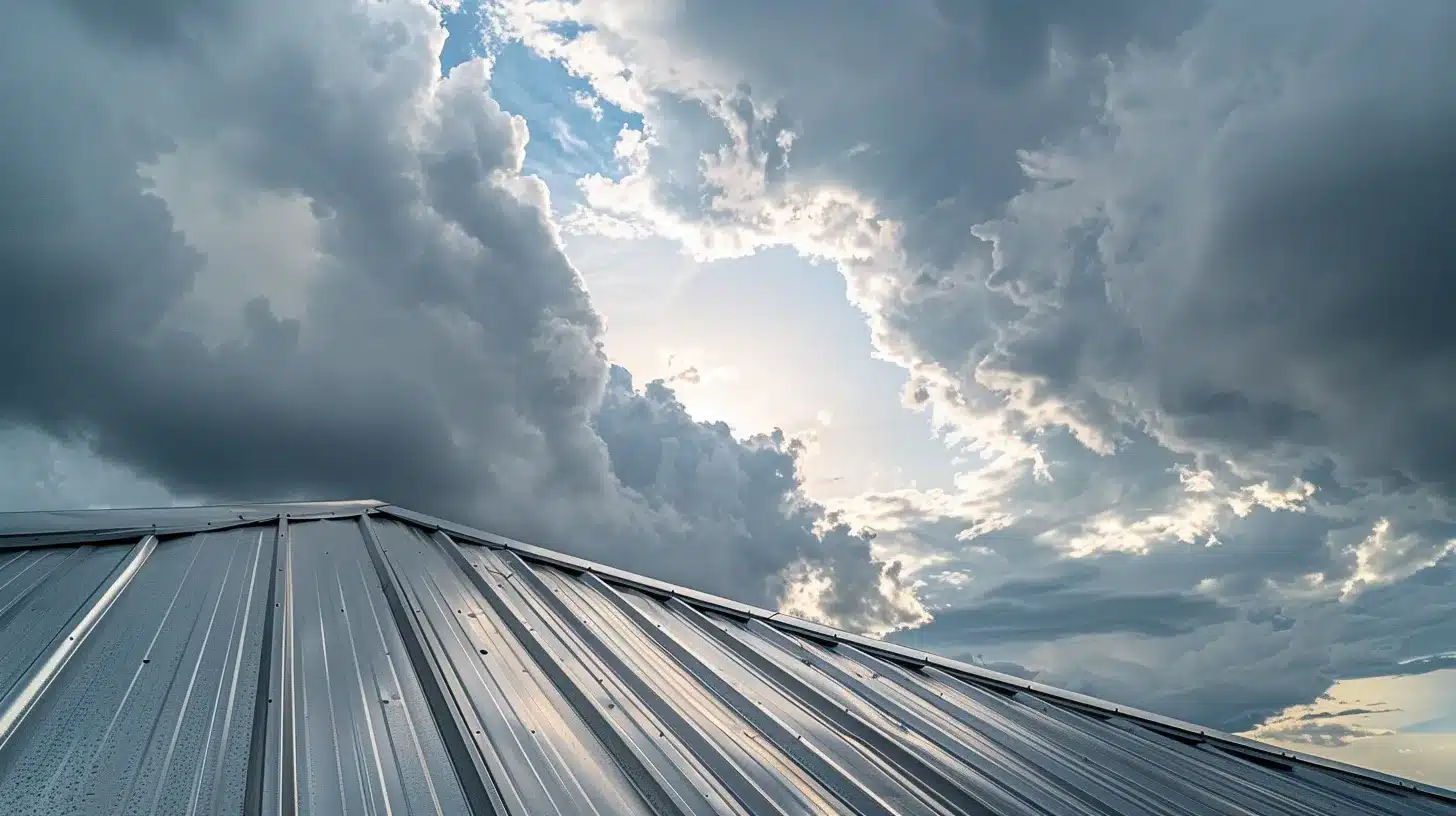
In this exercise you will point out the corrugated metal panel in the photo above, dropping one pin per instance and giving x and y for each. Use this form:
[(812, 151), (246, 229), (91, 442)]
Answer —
[(371, 664), (47, 528)]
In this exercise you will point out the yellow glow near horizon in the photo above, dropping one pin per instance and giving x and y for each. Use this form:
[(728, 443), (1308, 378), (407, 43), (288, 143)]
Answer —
[(1409, 730)]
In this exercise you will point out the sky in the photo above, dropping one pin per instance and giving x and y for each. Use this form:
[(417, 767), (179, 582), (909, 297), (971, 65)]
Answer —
[(1109, 343)]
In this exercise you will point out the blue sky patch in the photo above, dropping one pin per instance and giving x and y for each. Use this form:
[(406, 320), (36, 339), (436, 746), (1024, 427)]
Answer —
[(568, 140), (466, 27)]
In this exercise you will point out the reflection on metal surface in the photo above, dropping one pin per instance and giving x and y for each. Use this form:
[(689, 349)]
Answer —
[(350, 657)]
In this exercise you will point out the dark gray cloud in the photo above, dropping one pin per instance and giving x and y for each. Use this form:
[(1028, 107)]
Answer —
[(1283, 280), (989, 78), (1045, 610), (42, 471), (1347, 712), (1226, 285), (1295, 638), (265, 251), (1281, 285), (98, 266), (1326, 734), (1335, 253), (741, 503), (1277, 608), (150, 23), (1191, 298)]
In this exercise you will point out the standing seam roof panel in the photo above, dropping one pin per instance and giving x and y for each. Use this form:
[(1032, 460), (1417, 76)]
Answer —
[(542, 756), (348, 661)]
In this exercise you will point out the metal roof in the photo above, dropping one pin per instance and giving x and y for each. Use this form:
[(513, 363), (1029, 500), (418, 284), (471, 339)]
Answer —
[(356, 657)]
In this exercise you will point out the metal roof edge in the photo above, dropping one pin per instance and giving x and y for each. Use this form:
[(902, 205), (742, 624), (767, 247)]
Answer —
[(916, 658), (1213, 736), (355, 504), (110, 535), (1232, 743)]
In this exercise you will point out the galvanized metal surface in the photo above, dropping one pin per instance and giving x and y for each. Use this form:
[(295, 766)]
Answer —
[(393, 663)]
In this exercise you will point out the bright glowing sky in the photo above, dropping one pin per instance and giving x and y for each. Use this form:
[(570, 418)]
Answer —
[(1109, 342)]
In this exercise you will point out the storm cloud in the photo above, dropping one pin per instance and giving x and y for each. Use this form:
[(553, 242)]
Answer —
[(266, 251), (1176, 273), (1042, 610), (1278, 269)]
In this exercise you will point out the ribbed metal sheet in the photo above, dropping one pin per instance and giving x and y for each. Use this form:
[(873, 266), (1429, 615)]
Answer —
[(374, 664)]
